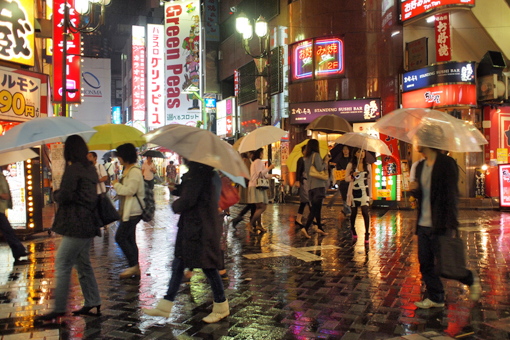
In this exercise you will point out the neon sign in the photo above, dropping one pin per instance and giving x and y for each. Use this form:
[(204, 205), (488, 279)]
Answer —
[(328, 57), (412, 8), (317, 58)]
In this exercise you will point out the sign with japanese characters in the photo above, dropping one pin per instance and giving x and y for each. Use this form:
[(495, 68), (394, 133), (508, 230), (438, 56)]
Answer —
[(182, 63), (138, 67), (319, 58), (225, 117), (20, 96), (360, 110), (212, 28), (417, 54), (444, 73), (443, 37), (155, 76), (412, 8), (504, 185), (73, 54), (17, 31), (440, 96)]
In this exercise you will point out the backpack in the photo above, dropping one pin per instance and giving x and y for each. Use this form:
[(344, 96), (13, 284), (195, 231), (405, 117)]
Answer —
[(150, 205)]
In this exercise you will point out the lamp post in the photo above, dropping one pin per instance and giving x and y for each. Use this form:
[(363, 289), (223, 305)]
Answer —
[(246, 29), (83, 7)]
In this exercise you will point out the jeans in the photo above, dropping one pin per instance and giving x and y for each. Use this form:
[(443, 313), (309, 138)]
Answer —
[(212, 275), (75, 252), (17, 248), (428, 248), (126, 239)]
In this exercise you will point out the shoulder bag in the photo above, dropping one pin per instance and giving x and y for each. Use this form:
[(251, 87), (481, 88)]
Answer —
[(451, 260), (107, 212), (262, 182), (323, 175)]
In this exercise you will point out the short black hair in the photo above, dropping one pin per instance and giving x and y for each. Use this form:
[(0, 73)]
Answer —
[(127, 152), (93, 154)]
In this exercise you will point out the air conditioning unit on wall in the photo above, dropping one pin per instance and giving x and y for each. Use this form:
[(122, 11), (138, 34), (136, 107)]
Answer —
[(492, 87)]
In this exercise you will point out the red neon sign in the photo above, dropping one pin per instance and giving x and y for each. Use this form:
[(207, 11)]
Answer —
[(73, 57), (412, 8), (303, 60), (328, 57)]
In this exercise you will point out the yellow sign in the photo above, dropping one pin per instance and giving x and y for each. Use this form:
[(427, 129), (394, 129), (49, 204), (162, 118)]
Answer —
[(502, 154), (17, 26), (384, 193)]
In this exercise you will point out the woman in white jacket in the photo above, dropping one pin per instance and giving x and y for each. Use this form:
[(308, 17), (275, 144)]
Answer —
[(127, 187)]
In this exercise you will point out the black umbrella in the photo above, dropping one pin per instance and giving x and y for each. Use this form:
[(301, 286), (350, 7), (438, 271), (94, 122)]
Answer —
[(153, 154), (108, 155)]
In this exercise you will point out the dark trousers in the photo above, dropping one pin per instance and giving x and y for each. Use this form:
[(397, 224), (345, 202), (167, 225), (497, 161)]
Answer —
[(366, 218), (126, 239), (428, 248), (13, 241), (151, 183), (212, 274), (316, 196)]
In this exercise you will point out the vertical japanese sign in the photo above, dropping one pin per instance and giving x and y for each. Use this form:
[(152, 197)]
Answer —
[(71, 72), (443, 37), (183, 67), (212, 30), (155, 76), (138, 67), (17, 31)]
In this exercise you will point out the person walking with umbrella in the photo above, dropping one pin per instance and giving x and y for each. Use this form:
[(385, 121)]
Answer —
[(359, 175), (198, 242), (317, 187), (131, 190), (341, 161), (78, 222), (435, 188)]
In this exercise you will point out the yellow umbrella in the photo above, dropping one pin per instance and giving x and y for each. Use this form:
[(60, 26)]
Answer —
[(296, 153), (110, 136)]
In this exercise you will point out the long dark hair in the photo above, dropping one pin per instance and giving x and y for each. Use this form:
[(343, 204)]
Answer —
[(257, 154), (76, 150), (354, 160), (311, 147)]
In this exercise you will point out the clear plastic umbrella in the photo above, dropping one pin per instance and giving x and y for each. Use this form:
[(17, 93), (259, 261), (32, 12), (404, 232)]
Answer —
[(364, 141), (16, 156), (439, 130)]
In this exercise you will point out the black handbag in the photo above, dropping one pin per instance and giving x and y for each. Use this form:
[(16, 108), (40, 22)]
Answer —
[(451, 260), (106, 210)]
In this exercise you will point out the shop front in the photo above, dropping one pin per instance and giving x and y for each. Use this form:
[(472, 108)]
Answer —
[(23, 98)]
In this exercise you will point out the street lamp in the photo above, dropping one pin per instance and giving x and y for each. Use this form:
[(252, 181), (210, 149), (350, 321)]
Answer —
[(84, 8), (245, 28)]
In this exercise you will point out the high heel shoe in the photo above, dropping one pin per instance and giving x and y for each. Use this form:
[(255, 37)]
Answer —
[(130, 272), (305, 233), (320, 231), (86, 311), (260, 228), (49, 317)]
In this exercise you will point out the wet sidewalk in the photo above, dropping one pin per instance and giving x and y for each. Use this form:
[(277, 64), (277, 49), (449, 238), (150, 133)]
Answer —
[(280, 285)]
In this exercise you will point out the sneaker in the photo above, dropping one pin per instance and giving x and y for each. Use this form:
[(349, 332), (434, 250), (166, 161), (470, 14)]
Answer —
[(475, 290), (427, 303)]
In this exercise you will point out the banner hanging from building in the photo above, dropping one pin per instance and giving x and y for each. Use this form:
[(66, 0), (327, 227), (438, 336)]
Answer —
[(183, 67), (71, 71), (155, 76), (443, 37), (138, 67), (17, 31)]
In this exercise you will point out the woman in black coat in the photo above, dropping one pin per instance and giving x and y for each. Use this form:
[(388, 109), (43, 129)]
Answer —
[(78, 222), (198, 239)]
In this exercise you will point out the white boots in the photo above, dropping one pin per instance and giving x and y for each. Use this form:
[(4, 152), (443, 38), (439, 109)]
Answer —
[(162, 309), (219, 311)]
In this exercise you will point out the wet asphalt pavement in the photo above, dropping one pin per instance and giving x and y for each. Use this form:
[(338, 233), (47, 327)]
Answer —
[(280, 285)]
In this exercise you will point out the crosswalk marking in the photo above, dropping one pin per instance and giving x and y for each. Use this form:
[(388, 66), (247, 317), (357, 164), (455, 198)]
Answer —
[(302, 253)]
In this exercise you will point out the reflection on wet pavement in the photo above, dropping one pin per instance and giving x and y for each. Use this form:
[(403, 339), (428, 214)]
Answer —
[(280, 285)]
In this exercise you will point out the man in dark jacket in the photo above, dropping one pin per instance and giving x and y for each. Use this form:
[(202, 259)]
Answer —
[(435, 187)]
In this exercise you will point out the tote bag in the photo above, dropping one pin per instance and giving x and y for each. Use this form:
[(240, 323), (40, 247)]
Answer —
[(451, 260), (262, 182), (316, 173)]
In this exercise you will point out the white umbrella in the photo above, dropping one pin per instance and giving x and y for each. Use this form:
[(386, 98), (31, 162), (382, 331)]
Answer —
[(364, 141), (16, 156), (449, 133), (260, 137), (200, 146), (40, 131)]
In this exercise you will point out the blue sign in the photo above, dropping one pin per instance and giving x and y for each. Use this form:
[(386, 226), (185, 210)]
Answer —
[(445, 73), (210, 102), (116, 116)]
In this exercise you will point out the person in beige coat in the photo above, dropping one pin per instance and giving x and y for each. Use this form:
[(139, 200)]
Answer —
[(127, 187)]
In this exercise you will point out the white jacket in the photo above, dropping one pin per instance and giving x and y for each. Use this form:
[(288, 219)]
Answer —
[(132, 183)]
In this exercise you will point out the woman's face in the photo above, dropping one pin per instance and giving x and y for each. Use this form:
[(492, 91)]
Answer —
[(345, 150), (360, 153), (121, 161)]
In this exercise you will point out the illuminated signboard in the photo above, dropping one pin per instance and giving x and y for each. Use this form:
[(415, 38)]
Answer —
[(138, 66), (20, 95), (359, 110), (155, 76), (15, 176), (318, 58), (17, 31), (73, 56), (328, 57), (412, 8), (441, 95), (444, 73), (504, 185)]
